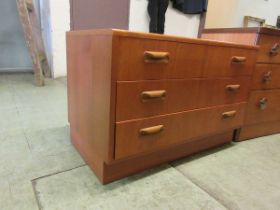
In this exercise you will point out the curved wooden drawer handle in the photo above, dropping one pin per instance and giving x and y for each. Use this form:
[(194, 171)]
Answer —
[(151, 130), (233, 88), (151, 95), (156, 57), (229, 114), (267, 77), (263, 103), (238, 59), (275, 49)]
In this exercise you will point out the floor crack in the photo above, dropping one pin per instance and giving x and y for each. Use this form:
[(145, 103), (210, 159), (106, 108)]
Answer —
[(34, 183), (40, 207), (58, 172), (202, 188)]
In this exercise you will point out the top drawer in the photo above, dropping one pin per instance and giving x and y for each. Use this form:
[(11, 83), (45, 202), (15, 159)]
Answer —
[(147, 59), (228, 61), (140, 59), (269, 49)]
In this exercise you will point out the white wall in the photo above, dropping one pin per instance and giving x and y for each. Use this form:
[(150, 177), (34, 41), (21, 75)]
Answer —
[(46, 28), (176, 22), (221, 13), (55, 21), (266, 9), (230, 13)]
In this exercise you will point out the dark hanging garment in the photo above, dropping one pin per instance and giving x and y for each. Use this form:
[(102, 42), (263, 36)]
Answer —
[(191, 6), (157, 10)]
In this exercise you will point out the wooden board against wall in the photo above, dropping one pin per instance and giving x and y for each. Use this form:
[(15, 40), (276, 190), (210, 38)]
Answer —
[(34, 41)]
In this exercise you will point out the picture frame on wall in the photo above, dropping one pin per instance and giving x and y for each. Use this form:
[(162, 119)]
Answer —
[(250, 21)]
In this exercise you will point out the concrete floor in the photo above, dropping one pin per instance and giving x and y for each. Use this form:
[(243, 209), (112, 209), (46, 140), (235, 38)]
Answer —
[(41, 170)]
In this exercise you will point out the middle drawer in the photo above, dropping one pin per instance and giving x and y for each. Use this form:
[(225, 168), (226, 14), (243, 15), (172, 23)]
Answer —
[(148, 98), (266, 76)]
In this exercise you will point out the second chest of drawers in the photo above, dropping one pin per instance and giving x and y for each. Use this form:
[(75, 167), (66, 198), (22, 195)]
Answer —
[(263, 112)]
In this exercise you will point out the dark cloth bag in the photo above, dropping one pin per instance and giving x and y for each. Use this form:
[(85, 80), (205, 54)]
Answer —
[(157, 10), (191, 6)]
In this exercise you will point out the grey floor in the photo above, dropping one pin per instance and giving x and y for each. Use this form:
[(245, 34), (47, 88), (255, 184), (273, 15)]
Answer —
[(39, 168)]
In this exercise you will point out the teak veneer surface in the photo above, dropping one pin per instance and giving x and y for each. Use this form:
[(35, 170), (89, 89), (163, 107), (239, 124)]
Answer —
[(180, 95), (271, 111), (186, 60), (137, 100), (177, 128), (266, 78)]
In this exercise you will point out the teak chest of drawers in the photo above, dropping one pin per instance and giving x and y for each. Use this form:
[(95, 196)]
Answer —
[(137, 100), (263, 109)]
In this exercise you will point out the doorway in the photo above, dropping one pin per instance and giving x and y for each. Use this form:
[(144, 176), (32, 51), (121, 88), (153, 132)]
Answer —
[(14, 55)]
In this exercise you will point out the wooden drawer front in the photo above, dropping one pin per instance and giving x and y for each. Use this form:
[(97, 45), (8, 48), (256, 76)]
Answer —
[(223, 91), (169, 96), (141, 59), (257, 130), (225, 61), (269, 49), (263, 106), (179, 95), (266, 76), (150, 134)]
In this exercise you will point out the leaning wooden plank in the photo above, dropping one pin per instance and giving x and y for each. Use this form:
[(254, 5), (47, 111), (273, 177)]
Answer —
[(38, 38), (31, 42)]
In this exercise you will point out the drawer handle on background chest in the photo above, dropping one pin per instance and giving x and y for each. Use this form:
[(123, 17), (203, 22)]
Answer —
[(156, 57), (233, 88), (263, 103), (274, 50), (229, 114), (152, 95), (238, 59), (151, 130), (267, 77)]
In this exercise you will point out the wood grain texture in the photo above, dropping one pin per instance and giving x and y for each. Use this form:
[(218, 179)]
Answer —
[(241, 38), (257, 130), (181, 95), (186, 60), (33, 39), (107, 173), (131, 64), (218, 62), (130, 166), (263, 112), (266, 43), (254, 30), (254, 113), (110, 72), (264, 37), (177, 128), (85, 149), (91, 109), (243, 30)]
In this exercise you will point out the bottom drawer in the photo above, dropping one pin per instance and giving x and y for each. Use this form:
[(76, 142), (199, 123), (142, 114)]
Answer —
[(150, 134), (263, 106), (258, 130)]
